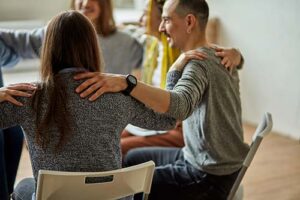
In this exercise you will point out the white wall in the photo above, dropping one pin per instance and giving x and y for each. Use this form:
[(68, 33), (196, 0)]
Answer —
[(31, 9), (45, 9), (268, 34)]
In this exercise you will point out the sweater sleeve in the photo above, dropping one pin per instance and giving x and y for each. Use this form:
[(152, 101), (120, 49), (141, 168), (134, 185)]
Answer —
[(8, 57), (144, 117), (172, 79), (188, 91), (26, 44), (11, 115)]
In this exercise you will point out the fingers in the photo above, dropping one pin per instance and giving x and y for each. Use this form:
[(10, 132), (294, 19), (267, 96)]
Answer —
[(22, 86), (18, 93), (224, 61), (85, 75), (97, 94), (91, 89), (228, 64), (86, 84), (13, 101), (7, 95), (218, 49), (221, 54)]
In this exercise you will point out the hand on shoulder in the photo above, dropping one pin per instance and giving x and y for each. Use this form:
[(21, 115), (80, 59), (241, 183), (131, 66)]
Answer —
[(231, 57), (21, 89), (185, 57), (97, 83)]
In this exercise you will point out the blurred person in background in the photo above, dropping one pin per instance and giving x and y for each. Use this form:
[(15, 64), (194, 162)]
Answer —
[(122, 53)]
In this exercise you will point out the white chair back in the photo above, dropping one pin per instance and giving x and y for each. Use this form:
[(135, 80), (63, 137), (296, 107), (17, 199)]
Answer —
[(263, 129), (55, 185)]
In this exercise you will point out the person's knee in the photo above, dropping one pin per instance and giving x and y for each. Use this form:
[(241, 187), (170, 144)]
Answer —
[(131, 158), (24, 189)]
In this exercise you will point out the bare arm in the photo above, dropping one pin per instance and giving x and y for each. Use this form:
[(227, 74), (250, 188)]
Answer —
[(154, 98)]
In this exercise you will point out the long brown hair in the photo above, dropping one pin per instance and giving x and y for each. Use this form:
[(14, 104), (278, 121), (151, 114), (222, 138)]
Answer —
[(105, 24), (70, 41)]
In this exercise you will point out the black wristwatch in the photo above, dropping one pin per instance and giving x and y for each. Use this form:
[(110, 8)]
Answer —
[(131, 83)]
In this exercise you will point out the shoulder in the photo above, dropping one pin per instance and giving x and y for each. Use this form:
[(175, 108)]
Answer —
[(196, 67), (126, 38), (117, 103), (9, 107), (121, 35), (118, 98), (211, 63)]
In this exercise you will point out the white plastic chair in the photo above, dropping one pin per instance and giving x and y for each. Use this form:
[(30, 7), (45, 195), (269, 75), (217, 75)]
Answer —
[(262, 130), (95, 185)]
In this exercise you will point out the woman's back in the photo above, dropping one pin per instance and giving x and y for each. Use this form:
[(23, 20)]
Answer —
[(94, 142)]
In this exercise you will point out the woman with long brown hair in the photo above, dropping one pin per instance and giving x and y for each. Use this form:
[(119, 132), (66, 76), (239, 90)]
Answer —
[(65, 132), (122, 54)]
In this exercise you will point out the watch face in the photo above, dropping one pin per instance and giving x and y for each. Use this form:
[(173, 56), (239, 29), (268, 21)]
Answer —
[(132, 79)]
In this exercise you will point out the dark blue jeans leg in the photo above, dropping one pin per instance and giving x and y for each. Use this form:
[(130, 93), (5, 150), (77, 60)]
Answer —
[(163, 184), (176, 179), (10, 153), (159, 155), (3, 183), (24, 190)]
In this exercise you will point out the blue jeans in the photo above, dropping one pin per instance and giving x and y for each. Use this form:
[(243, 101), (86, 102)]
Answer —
[(174, 178), (11, 142), (25, 190)]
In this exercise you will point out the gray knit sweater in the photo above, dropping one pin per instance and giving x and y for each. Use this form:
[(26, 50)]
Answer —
[(208, 97), (95, 141)]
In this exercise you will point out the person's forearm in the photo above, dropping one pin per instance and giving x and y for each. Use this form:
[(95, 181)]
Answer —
[(155, 98), (7, 56), (26, 44)]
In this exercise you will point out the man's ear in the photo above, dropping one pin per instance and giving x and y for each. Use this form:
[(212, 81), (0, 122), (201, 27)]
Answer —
[(190, 21)]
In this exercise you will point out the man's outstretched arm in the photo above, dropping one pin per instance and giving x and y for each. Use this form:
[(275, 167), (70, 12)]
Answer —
[(26, 44), (8, 57)]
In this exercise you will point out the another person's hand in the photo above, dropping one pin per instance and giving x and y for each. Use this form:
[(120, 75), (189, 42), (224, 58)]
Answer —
[(99, 83), (20, 89), (231, 57), (181, 61)]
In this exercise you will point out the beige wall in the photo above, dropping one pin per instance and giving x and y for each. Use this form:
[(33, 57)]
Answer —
[(268, 34), (31, 9)]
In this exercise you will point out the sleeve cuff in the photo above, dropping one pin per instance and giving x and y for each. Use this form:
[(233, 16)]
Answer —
[(172, 79)]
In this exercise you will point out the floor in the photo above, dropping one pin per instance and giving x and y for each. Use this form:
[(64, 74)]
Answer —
[(274, 173)]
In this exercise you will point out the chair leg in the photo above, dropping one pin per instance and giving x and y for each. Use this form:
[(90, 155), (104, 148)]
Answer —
[(145, 196), (239, 193)]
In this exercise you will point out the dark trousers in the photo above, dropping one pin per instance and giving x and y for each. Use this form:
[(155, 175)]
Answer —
[(174, 178), (11, 142)]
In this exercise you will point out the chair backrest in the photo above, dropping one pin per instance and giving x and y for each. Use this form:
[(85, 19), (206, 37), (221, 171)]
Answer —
[(263, 129), (95, 185)]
